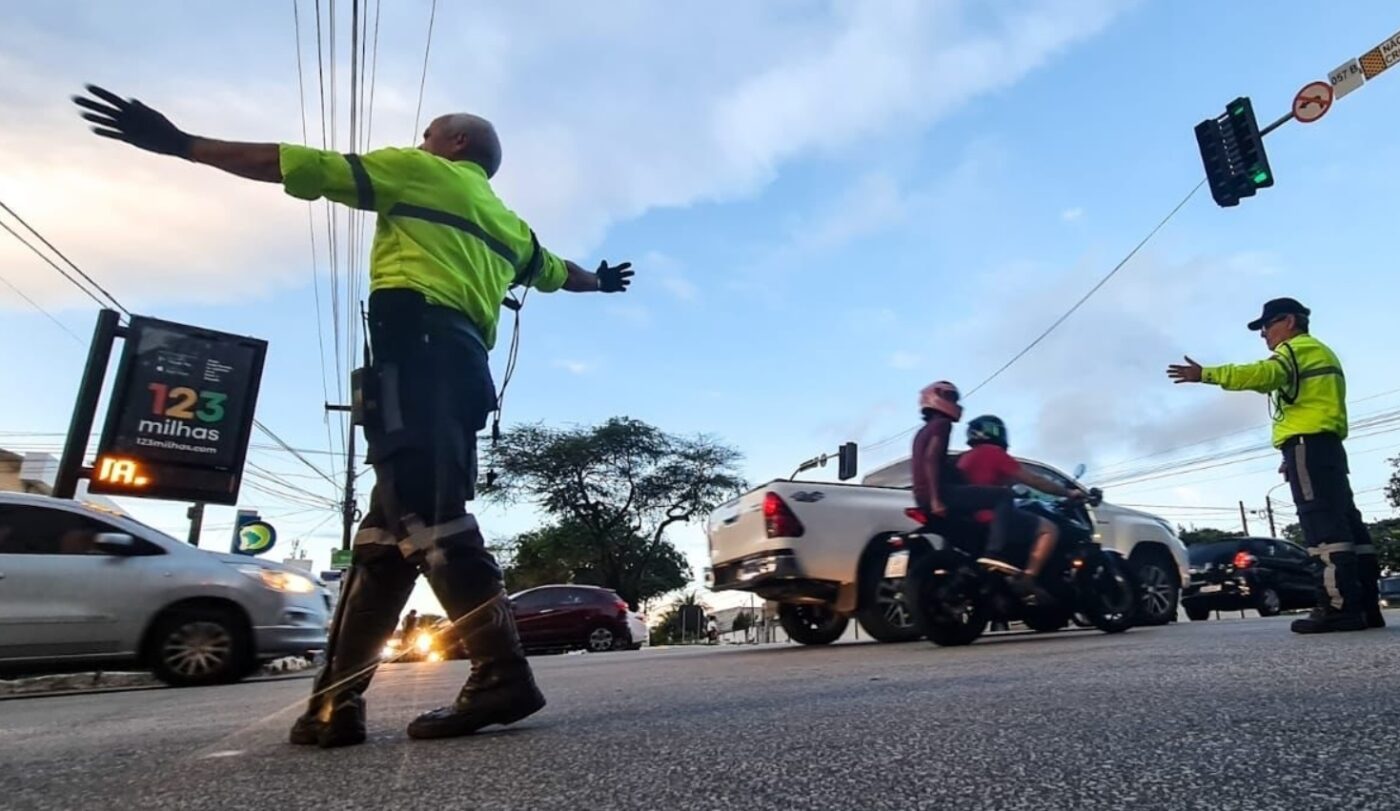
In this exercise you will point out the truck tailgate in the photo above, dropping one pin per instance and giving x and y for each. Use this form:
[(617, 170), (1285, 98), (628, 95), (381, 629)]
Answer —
[(736, 529)]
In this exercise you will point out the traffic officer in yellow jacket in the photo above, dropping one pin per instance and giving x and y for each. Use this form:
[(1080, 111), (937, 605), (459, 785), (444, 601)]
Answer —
[(1307, 397), (445, 252)]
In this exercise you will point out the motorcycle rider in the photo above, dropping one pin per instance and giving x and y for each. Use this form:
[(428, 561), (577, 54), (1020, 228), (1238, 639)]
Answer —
[(940, 490), (988, 464)]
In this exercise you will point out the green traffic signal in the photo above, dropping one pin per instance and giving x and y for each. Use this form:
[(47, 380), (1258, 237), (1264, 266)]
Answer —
[(1260, 178)]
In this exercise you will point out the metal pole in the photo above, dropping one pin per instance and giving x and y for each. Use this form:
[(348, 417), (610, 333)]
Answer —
[(1269, 508), (1276, 125), (70, 464), (196, 516), (349, 506), (1244, 520)]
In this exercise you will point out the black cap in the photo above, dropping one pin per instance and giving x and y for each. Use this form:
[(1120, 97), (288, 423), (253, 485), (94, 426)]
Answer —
[(1274, 308)]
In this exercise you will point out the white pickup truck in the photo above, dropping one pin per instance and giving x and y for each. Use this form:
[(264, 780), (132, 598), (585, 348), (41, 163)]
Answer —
[(818, 549)]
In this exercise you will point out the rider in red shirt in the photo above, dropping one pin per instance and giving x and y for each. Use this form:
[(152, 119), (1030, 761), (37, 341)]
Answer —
[(988, 464)]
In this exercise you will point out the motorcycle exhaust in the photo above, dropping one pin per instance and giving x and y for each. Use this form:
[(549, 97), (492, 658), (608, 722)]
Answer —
[(999, 566)]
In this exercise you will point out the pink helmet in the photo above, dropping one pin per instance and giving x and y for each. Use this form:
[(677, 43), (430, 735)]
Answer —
[(942, 397)]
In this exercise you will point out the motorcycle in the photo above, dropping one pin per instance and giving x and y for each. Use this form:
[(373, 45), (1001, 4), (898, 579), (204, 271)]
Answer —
[(953, 593)]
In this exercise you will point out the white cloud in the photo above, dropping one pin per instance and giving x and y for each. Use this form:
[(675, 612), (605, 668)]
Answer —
[(1097, 387), (1072, 214), (667, 273), (577, 367), (676, 105), (905, 360)]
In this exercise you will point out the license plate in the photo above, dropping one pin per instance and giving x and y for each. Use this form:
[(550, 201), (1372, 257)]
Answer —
[(1210, 589), (896, 565)]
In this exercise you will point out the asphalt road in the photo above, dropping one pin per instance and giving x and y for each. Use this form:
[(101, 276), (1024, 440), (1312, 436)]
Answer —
[(1216, 715)]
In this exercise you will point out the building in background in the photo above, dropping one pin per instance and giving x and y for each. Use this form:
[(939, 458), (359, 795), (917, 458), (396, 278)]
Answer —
[(35, 473)]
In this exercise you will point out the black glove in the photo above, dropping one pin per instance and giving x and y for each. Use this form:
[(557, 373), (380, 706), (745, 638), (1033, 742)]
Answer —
[(616, 278), (133, 122)]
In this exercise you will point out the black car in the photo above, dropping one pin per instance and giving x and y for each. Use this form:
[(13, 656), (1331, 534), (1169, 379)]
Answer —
[(1267, 575), (1390, 591)]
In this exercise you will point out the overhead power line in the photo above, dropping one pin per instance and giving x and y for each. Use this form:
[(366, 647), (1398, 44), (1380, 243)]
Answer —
[(423, 82), (46, 313), (62, 256), (1066, 314)]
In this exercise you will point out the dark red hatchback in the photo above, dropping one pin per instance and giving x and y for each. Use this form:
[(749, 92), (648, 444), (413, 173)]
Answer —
[(569, 617)]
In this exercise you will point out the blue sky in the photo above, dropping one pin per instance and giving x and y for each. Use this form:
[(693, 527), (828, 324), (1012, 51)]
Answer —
[(828, 204)]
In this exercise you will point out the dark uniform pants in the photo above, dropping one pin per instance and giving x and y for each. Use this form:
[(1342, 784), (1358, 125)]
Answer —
[(425, 396), (1317, 471)]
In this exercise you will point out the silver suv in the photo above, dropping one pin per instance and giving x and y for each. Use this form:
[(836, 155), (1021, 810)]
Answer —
[(79, 584)]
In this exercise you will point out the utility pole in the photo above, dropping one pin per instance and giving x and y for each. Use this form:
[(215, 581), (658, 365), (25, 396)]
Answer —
[(1269, 509), (196, 515), (1244, 520), (347, 504)]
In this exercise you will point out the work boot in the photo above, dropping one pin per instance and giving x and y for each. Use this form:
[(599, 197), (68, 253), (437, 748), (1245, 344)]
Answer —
[(373, 594), (1322, 621), (1374, 617), (501, 688), (344, 725)]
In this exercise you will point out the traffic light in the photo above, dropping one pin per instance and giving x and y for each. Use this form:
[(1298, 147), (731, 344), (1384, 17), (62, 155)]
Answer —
[(846, 469), (1232, 151)]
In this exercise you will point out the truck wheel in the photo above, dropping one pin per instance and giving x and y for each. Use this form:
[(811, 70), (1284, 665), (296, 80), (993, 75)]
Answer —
[(1157, 587), (811, 624), (884, 614)]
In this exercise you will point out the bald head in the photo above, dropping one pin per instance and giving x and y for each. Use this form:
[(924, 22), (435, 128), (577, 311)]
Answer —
[(464, 137)]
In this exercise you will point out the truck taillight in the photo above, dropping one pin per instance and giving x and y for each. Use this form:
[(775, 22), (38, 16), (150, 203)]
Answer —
[(778, 518), (916, 515), (1244, 560)]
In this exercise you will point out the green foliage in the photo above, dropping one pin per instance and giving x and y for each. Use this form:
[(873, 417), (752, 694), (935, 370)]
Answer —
[(743, 621), (611, 492), (568, 553), (1205, 535)]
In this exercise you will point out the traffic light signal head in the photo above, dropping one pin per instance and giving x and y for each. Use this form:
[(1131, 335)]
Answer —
[(848, 464), (1232, 151)]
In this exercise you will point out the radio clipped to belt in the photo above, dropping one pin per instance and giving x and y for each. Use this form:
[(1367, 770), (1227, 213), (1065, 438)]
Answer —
[(366, 392)]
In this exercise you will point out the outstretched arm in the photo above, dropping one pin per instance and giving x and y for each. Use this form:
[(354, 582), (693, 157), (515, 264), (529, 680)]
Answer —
[(133, 122)]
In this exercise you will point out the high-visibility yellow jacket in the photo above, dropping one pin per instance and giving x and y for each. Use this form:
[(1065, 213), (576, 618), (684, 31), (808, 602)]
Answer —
[(441, 230), (1306, 387)]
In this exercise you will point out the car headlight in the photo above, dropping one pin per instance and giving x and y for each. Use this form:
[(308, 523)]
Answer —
[(278, 580), (425, 643)]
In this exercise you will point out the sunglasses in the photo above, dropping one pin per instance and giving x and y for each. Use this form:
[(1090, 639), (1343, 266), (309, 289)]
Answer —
[(1265, 328)]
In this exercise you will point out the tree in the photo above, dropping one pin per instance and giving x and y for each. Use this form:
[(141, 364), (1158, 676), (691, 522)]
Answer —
[(1205, 535), (1294, 533), (564, 553), (743, 621), (684, 617), (616, 488), (1385, 534)]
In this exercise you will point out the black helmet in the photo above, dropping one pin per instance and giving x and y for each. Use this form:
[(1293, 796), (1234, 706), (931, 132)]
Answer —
[(987, 429)]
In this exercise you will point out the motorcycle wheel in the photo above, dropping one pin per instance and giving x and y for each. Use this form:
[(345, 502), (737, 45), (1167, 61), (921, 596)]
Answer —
[(947, 609), (1046, 622), (1110, 594)]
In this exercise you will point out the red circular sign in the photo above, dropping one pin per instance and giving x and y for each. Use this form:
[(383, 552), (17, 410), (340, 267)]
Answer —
[(1312, 102)]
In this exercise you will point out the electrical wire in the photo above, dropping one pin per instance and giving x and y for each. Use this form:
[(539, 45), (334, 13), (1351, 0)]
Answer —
[(1064, 316), (54, 265), (62, 256), (423, 82), (46, 313)]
